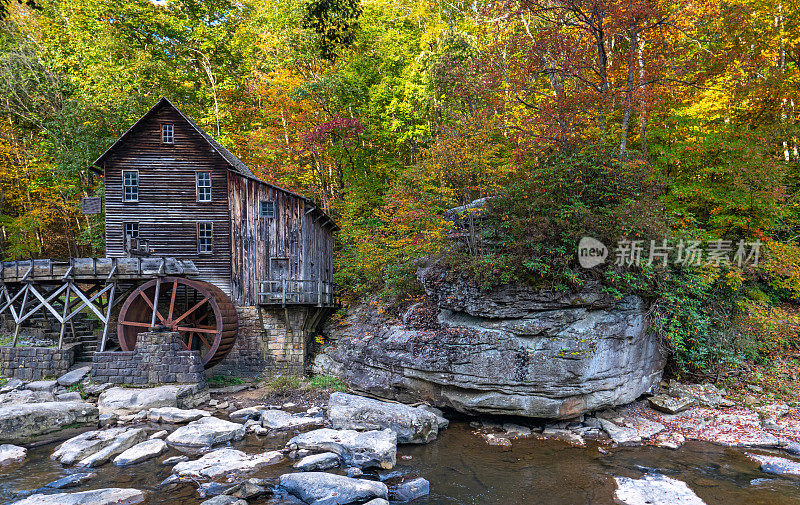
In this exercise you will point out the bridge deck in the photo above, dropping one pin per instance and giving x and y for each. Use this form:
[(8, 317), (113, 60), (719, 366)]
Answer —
[(94, 269)]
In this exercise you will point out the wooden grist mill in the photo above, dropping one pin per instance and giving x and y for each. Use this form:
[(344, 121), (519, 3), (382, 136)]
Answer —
[(196, 244)]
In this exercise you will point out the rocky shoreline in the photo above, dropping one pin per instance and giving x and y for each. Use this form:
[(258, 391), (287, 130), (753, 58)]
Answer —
[(344, 449)]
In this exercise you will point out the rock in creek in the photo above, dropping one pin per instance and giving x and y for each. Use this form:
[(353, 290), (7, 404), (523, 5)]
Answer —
[(109, 496), (95, 448), (318, 462), (411, 489), (775, 464), (141, 452), (224, 462), (20, 423), (175, 415), (279, 420), (654, 489), (362, 449), (412, 425), (513, 350), (377, 501), (11, 454), (243, 415), (205, 432), (317, 488), (74, 480), (124, 401), (224, 500), (74, 377)]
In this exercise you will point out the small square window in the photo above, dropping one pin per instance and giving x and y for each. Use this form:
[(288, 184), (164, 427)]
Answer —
[(268, 210), (130, 186), (166, 134), (204, 237), (131, 230), (203, 186)]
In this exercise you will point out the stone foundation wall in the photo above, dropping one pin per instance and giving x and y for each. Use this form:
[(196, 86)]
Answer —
[(267, 346), (35, 363), (159, 358)]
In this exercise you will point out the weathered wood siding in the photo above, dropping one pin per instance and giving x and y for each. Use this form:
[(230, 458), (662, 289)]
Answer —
[(167, 210), (290, 245)]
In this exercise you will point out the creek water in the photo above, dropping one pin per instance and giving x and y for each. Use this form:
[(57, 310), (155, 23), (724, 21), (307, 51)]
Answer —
[(463, 470)]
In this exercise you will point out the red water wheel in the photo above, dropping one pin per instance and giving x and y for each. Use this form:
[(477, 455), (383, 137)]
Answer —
[(201, 312)]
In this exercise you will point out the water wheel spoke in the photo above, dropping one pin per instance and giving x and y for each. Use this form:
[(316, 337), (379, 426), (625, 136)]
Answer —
[(135, 323), (200, 336), (172, 300), (150, 303), (197, 329), (188, 312)]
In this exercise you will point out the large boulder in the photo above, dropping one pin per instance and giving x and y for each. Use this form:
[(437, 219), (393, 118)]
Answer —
[(11, 454), (280, 420), (73, 377), (206, 432), (512, 350), (654, 489), (95, 448), (224, 462), (412, 425), (361, 449), (174, 415), (22, 422), (122, 401), (318, 488), (109, 496)]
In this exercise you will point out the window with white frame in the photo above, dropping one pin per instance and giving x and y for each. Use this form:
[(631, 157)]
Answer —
[(203, 186), (130, 186), (131, 230), (167, 134), (204, 234), (267, 209)]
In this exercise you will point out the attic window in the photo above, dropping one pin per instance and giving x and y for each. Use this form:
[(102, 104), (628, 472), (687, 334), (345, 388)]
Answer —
[(267, 209), (166, 134)]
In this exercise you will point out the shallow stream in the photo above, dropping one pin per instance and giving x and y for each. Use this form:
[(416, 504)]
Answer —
[(463, 470)]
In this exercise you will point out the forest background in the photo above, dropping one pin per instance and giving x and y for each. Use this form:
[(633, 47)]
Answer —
[(637, 119)]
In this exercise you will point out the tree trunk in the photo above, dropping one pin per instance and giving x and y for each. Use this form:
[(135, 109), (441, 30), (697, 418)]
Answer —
[(626, 114)]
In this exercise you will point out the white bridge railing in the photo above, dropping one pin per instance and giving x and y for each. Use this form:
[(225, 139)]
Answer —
[(297, 292)]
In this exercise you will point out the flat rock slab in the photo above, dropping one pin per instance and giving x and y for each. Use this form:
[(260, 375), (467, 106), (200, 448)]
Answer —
[(123, 401), (18, 396), (361, 449), (12, 384), (411, 489), (318, 462), (224, 500), (109, 496), (412, 425), (776, 465), (654, 489), (74, 480), (20, 423), (11, 454), (74, 377), (246, 414), (175, 415), (206, 432), (94, 448), (670, 404), (141, 452), (225, 462), (280, 420), (47, 386), (318, 488)]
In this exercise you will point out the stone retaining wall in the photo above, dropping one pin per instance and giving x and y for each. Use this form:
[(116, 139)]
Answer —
[(35, 363), (159, 358)]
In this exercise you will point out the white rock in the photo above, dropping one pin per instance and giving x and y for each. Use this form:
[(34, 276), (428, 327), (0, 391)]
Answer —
[(362, 449), (776, 465), (411, 489), (175, 415), (206, 432), (224, 500), (280, 420), (94, 448), (47, 386), (12, 384), (352, 412), (246, 414), (11, 454), (74, 377), (158, 435), (654, 489), (321, 488), (19, 423), (110, 496), (71, 396), (141, 452), (131, 400), (318, 462), (225, 462)]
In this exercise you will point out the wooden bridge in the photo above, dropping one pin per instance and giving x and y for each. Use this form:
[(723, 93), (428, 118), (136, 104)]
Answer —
[(67, 289)]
